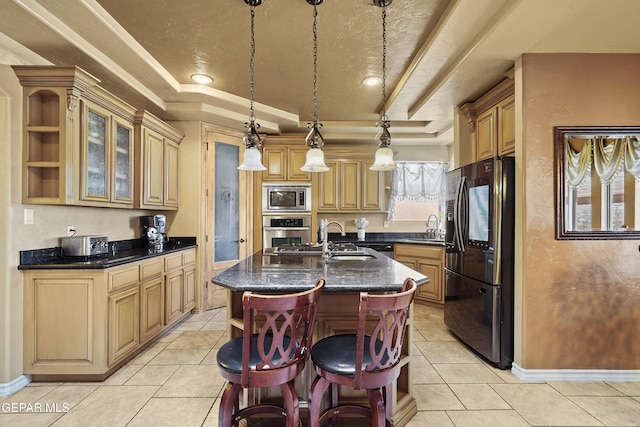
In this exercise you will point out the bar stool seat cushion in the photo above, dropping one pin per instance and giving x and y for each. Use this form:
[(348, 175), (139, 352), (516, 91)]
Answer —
[(337, 354), (230, 354)]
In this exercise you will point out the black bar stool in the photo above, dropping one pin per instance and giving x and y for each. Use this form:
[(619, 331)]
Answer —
[(272, 357), (362, 361)]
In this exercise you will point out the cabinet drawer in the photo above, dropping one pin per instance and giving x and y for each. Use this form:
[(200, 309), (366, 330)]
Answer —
[(171, 262), (123, 277), (189, 257), (418, 251), (150, 269)]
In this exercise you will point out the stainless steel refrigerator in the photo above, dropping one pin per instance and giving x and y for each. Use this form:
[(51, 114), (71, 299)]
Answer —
[(480, 208)]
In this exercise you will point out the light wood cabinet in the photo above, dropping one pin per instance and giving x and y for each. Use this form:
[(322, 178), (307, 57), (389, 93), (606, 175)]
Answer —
[(486, 138), (180, 285), (124, 324), (151, 309), (506, 112), (428, 260), (156, 171), (173, 283), (491, 120), (189, 295), (350, 186), (81, 146), (107, 157), (78, 147), (65, 322), (84, 324), (283, 156)]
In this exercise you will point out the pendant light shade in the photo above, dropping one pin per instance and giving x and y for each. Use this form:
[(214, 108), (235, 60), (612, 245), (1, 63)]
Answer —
[(251, 139), (315, 161), (315, 156), (252, 160), (384, 155), (384, 160)]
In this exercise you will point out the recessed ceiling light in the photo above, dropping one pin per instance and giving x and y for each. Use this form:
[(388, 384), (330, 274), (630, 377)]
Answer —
[(202, 79), (372, 81)]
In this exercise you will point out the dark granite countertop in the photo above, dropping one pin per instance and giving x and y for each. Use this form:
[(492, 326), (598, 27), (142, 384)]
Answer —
[(264, 272), (120, 252)]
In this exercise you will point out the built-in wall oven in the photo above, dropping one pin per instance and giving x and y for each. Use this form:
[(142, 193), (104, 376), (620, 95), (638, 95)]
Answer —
[(290, 229)]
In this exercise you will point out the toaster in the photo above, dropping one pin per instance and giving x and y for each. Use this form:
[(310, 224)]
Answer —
[(84, 246)]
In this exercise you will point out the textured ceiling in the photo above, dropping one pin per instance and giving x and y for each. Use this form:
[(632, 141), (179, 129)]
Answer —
[(440, 53)]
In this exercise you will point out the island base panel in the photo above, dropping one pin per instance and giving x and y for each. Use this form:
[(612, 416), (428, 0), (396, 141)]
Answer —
[(337, 313)]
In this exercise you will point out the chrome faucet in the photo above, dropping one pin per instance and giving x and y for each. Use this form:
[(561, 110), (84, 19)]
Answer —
[(324, 234), (433, 233)]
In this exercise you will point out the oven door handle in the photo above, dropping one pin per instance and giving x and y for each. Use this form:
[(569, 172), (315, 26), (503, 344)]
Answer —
[(288, 228)]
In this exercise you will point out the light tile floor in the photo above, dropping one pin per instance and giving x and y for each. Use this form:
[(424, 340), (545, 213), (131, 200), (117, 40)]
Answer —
[(175, 383)]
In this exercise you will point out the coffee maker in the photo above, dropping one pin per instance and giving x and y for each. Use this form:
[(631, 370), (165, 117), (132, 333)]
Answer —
[(153, 228)]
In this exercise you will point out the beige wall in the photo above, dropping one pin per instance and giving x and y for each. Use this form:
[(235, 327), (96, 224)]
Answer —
[(580, 300)]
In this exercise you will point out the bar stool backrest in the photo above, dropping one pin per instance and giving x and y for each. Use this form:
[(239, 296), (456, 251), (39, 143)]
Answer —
[(284, 326), (390, 312)]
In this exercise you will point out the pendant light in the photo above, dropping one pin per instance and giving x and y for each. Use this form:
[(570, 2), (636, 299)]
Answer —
[(384, 155), (252, 157), (315, 156)]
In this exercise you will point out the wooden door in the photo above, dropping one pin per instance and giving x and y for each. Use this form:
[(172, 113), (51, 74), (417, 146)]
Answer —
[(228, 218)]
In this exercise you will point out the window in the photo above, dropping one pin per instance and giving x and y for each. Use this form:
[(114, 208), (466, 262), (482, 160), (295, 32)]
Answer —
[(417, 191)]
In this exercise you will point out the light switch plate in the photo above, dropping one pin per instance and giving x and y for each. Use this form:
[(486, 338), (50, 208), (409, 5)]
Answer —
[(28, 217)]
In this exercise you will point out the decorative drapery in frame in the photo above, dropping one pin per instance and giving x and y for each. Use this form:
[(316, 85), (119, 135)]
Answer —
[(607, 154)]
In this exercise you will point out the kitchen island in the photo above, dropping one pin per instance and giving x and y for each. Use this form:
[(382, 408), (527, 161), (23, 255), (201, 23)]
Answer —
[(346, 277)]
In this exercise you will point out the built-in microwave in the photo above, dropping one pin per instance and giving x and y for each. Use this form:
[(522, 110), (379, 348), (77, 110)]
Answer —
[(286, 198)]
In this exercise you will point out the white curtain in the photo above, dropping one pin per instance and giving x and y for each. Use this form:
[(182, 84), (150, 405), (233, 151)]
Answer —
[(632, 156), (417, 181), (578, 162), (607, 156)]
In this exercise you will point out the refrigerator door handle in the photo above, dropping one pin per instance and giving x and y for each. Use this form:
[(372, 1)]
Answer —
[(460, 213)]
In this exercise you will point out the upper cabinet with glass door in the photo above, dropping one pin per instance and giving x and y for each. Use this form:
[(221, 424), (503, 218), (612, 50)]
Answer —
[(78, 140), (107, 155)]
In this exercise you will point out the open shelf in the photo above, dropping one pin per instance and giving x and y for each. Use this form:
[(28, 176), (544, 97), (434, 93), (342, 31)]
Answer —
[(44, 109), (43, 181), (43, 146)]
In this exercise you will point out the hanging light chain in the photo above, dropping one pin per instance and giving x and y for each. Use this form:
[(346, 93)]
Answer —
[(252, 117), (384, 62), (315, 65)]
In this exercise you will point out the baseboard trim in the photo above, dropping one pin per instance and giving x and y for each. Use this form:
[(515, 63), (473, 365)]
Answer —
[(9, 388), (585, 375)]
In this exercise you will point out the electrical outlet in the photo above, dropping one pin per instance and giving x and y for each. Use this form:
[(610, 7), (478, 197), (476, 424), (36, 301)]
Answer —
[(385, 224), (71, 230)]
